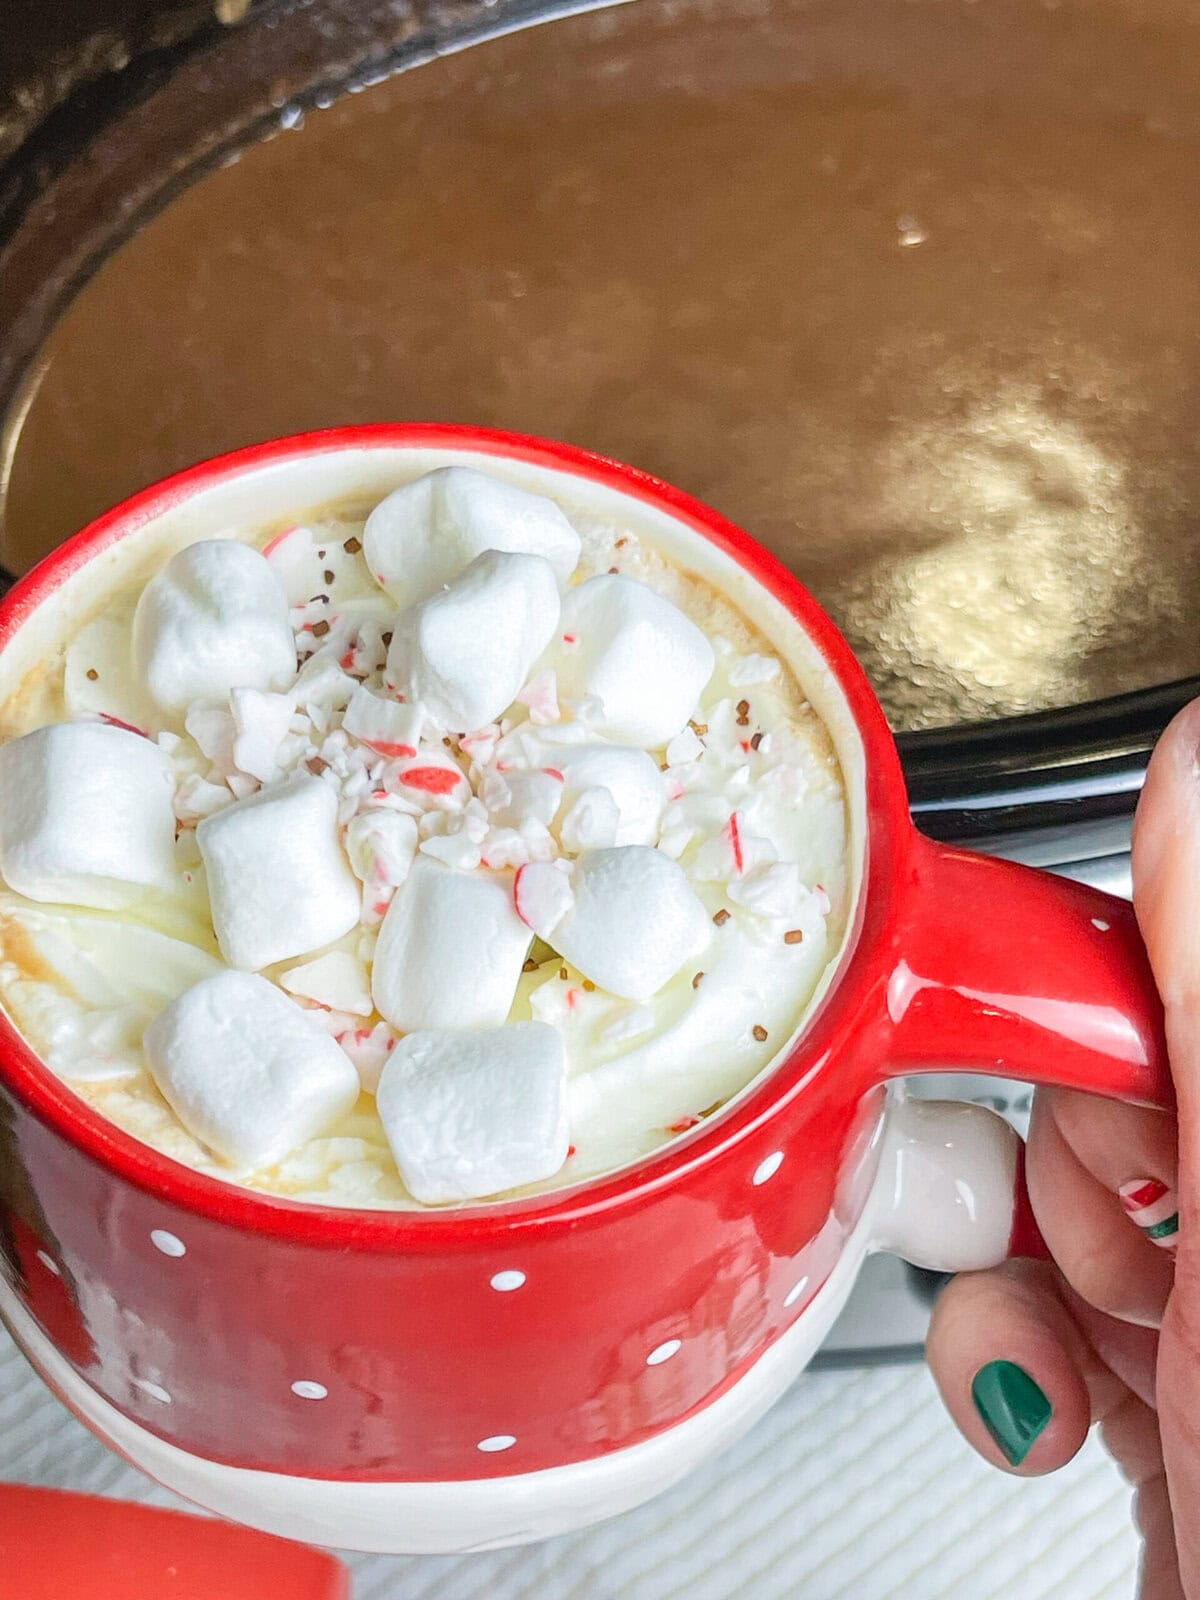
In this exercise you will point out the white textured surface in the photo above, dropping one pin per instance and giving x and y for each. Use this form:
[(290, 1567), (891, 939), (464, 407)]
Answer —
[(854, 1486)]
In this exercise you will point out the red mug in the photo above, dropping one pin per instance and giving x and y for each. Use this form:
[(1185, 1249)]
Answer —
[(409, 1381)]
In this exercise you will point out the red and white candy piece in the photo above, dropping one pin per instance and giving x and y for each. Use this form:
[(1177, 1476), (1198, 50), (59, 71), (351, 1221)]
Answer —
[(473, 1114), (430, 778), (214, 619), (278, 879), (525, 795), (637, 654), (391, 728), (633, 779), (542, 895), (323, 684), (368, 1049), (337, 980), (464, 653), (381, 845), (634, 921), (261, 722), (86, 815), (246, 1071), (450, 950), (591, 823), (427, 533)]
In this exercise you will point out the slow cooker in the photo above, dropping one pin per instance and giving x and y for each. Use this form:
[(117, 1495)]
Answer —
[(907, 289)]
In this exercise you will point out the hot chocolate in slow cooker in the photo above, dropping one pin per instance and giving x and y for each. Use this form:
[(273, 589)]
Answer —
[(909, 291)]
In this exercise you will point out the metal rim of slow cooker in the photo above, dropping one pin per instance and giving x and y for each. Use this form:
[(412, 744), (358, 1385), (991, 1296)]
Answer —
[(133, 137)]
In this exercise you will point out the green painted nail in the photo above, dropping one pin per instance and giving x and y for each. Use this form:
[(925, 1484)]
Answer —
[(1013, 1408), (1165, 1228)]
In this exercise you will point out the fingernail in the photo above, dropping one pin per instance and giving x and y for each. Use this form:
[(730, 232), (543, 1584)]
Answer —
[(1152, 1206), (1013, 1408)]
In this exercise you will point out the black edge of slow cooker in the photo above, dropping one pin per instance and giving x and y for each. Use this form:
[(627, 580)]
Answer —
[(1052, 769)]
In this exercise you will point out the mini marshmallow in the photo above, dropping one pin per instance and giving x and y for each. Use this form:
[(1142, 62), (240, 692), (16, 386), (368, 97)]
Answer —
[(278, 880), (450, 950), (638, 654), (391, 728), (214, 619), (465, 653), (337, 980), (427, 533), (631, 777), (86, 815), (635, 920), (246, 1071), (474, 1114)]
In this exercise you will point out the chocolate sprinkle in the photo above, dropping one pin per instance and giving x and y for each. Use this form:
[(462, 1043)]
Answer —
[(562, 972), (352, 546), (316, 765), (328, 575), (721, 918), (530, 965), (760, 1033), (614, 569), (385, 639), (697, 980), (743, 708), (622, 542), (322, 598), (743, 722), (794, 936), (92, 674), (320, 629), (756, 741)]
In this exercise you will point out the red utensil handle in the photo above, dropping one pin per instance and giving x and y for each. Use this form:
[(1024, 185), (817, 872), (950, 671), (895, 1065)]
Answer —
[(1006, 970)]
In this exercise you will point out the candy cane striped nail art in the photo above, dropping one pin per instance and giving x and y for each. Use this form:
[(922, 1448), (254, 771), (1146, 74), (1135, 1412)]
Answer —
[(1152, 1206)]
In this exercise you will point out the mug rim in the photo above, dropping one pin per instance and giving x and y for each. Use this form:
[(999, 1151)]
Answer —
[(855, 976)]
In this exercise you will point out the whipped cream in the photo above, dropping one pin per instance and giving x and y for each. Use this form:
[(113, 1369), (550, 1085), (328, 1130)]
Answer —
[(640, 845)]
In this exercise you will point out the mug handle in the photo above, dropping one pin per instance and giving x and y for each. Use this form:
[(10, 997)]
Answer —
[(1005, 970), (950, 1193)]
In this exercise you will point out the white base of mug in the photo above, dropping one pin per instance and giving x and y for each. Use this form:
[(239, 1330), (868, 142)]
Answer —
[(942, 1195), (451, 1517)]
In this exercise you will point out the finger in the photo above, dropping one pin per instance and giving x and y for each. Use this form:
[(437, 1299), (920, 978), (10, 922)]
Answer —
[(1130, 1151), (1082, 1153), (1021, 1318), (1105, 1259), (1009, 1362), (1130, 1433), (1166, 879)]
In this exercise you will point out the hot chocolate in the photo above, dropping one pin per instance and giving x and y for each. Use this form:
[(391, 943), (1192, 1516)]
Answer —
[(415, 852)]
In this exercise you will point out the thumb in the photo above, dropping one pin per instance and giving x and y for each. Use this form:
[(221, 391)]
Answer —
[(1166, 880)]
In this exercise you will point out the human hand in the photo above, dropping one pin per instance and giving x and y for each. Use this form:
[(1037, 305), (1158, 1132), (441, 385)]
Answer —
[(1030, 1354)]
